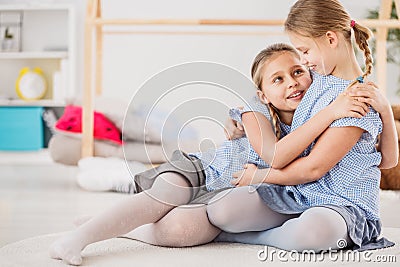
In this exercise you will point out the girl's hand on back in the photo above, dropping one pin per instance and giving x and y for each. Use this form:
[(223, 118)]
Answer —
[(346, 105), (233, 129), (369, 93), (249, 175)]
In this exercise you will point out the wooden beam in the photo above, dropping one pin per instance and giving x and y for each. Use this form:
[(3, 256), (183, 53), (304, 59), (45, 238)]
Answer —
[(383, 23), (87, 105), (188, 22), (381, 52), (99, 54), (373, 23), (257, 33)]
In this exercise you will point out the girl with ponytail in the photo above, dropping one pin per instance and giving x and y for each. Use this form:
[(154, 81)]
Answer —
[(332, 189)]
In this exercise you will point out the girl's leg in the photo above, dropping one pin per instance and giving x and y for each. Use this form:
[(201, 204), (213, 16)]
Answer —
[(82, 219), (169, 190), (315, 229), (241, 209), (182, 227)]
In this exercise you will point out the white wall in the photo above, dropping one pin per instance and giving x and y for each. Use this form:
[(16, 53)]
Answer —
[(131, 59)]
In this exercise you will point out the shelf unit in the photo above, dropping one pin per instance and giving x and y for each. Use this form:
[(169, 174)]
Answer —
[(48, 41), (34, 55), (38, 103)]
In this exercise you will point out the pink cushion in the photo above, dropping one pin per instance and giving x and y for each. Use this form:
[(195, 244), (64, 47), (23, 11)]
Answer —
[(104, 129)]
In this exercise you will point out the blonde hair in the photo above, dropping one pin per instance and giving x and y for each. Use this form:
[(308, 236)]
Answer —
[(257, 75), (313, 18)]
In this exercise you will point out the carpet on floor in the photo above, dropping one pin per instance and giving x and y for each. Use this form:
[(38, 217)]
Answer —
[(125, 252)]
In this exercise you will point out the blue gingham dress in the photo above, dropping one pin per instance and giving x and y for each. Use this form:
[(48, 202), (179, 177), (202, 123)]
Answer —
[(354, 180)]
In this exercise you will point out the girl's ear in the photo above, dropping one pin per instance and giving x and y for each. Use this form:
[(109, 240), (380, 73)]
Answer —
[(262, 97), (332, 38)]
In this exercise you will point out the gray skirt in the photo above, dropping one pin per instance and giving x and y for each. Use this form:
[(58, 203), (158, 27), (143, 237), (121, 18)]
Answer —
[(189, 167), (363, 232)]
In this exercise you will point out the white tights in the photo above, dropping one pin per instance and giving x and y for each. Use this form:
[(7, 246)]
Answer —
[(182, 227), (244, 218), (241, 212), (169, 190)]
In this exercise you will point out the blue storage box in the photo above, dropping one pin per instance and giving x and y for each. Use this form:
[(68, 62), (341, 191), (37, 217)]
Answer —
[(21, 128)]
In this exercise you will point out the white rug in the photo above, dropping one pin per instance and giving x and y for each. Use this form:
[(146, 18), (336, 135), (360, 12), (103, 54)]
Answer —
[(389, 194), (125, 252)]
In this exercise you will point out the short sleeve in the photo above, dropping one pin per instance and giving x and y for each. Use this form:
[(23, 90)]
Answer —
[(370, 123), (254, 105)]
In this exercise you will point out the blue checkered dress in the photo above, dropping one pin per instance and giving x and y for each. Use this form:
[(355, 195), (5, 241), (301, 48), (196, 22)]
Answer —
[(351, 187), (354, 180)]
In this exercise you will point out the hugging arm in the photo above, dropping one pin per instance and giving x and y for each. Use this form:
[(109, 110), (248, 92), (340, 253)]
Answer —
[(388, 142), (278, 153), (262, 138), (330, 148)]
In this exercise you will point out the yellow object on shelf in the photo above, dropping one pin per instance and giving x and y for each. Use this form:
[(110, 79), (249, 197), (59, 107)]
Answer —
[(31, 84)]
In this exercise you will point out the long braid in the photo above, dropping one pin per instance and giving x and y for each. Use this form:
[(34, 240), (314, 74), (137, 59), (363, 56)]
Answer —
[(361, 35), (275, 120)]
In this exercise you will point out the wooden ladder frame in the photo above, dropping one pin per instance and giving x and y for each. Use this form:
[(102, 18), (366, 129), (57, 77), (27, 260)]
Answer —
[(94, 31)]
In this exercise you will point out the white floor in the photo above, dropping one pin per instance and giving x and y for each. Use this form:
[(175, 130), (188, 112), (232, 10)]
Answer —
[(39, 197)]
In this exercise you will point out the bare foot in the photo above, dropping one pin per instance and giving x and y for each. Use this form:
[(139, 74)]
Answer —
[(67, 248)]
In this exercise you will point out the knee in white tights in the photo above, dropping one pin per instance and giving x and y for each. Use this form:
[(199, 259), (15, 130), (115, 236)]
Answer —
[(171, 189), (241, 209), (317, 228), (183, 226)]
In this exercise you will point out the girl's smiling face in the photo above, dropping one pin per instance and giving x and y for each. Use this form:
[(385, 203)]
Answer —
[(284, 82), (315, 53)]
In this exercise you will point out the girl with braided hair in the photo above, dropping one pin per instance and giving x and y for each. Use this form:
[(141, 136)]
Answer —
[(332, 189)]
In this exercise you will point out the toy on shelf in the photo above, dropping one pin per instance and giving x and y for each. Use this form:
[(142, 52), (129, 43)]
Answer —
[(31, 84)]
